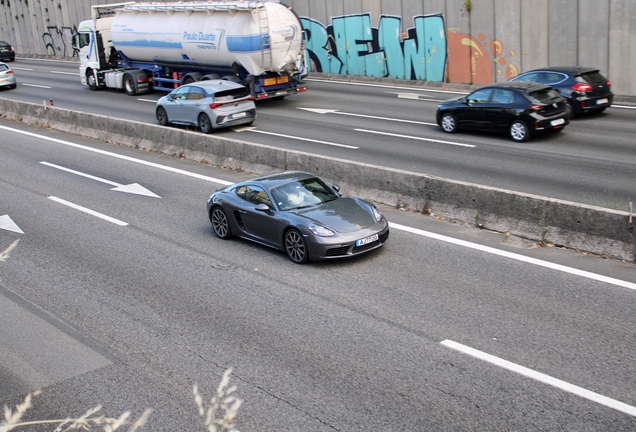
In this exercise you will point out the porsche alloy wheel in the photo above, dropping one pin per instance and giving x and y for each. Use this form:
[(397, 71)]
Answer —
[(296, 247), (220, 223)]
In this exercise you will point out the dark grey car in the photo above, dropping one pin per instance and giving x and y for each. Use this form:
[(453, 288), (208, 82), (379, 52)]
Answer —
[(6, 51), (298, 213), (585, 88)]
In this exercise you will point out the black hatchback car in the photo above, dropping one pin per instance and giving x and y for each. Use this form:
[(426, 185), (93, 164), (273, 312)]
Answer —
[(6, 52), (585, 88), (518, 108)]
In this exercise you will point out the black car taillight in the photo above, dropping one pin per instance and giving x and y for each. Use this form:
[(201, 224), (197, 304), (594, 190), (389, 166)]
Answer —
[(582, 88)]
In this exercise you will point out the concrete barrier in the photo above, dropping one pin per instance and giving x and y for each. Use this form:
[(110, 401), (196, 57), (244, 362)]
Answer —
[(583, 227)]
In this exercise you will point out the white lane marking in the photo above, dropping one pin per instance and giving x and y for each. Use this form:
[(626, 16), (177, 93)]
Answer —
[(6, 223), (89, 211), (298, 138), (546, 379), (134, 188), (147, 100), (65, 73), (415, 96), (382, 86), (335, 111), (517, 257), (623, 106), (118, 156), (35, 85), (415, 138), (21, 68)]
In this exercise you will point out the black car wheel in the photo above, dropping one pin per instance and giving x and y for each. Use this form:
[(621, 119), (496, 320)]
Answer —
[(570, 108), (449, 123), (205, 124), (220, 223), (519, 131), (162, 117), (296, 246)]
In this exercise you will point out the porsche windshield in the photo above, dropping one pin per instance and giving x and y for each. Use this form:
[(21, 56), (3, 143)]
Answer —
[(303, 193)]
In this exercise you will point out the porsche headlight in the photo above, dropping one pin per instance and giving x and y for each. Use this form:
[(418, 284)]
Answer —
[(320, 230), (377, 214)]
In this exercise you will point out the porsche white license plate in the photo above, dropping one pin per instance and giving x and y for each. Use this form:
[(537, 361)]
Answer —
[(557, 122), (366, 240), (602, 101), (239, 115)]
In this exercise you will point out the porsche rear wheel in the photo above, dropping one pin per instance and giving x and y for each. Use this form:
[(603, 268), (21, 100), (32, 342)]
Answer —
[(296, 246), (220, 223)]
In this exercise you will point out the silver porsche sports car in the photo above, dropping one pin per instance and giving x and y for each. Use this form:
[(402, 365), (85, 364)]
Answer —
[(298, 213)]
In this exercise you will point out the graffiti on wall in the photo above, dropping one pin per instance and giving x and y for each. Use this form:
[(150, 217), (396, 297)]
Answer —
[(477, 60), (351, 45), (57, 41)]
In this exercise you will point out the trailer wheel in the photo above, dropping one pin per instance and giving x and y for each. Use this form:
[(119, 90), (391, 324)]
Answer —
[(129, 85), (205, 124), (90, 80)]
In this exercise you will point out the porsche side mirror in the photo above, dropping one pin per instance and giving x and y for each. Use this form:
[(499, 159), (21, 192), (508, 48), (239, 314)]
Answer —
[(262, 208)]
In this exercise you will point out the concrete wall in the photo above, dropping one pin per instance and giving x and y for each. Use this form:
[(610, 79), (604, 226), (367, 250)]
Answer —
[(587, 228), (431, 40)]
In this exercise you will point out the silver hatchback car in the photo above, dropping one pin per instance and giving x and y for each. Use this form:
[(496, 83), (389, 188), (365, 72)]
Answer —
[(210, 105), (7, 77)]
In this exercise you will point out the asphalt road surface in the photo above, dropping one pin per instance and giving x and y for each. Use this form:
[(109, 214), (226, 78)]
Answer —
[(119, 294)]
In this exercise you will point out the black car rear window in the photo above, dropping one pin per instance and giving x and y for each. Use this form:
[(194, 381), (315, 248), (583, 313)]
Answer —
[(590, 78), (227, 95), (545, 96)]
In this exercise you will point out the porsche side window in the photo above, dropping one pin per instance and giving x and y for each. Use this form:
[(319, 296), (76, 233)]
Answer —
[(254, 194)]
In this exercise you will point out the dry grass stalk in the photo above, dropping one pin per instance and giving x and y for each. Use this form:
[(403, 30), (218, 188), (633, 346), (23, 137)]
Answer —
[(221, 403)]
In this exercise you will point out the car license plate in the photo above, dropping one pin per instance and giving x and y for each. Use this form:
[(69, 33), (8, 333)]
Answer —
[(557, 122), (239, 115), (366, 240), (602, 101)]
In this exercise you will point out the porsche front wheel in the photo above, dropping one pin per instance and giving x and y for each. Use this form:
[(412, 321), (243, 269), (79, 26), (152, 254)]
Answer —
[(296, 247), (220, 223)]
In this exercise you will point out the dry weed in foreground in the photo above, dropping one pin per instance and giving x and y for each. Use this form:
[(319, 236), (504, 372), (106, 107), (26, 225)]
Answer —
[(86, 422), (222, 401), (4, 255)]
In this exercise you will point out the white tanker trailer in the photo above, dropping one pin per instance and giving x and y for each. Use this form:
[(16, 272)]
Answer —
[(139, 47)]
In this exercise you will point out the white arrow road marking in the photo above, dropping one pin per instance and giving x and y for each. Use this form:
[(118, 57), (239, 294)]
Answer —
[(7, 224), (415, 138), (118, 156), (133, 188), (89, 211), (253, 129), (333, 111), (546, 379)]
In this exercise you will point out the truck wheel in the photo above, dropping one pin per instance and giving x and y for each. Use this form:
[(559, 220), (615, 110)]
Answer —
[(90, 80), (162, 117), (205, 124), (129, 85)]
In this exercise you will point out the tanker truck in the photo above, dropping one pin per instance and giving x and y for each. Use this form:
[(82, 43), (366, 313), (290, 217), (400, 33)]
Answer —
[(140, 47)]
